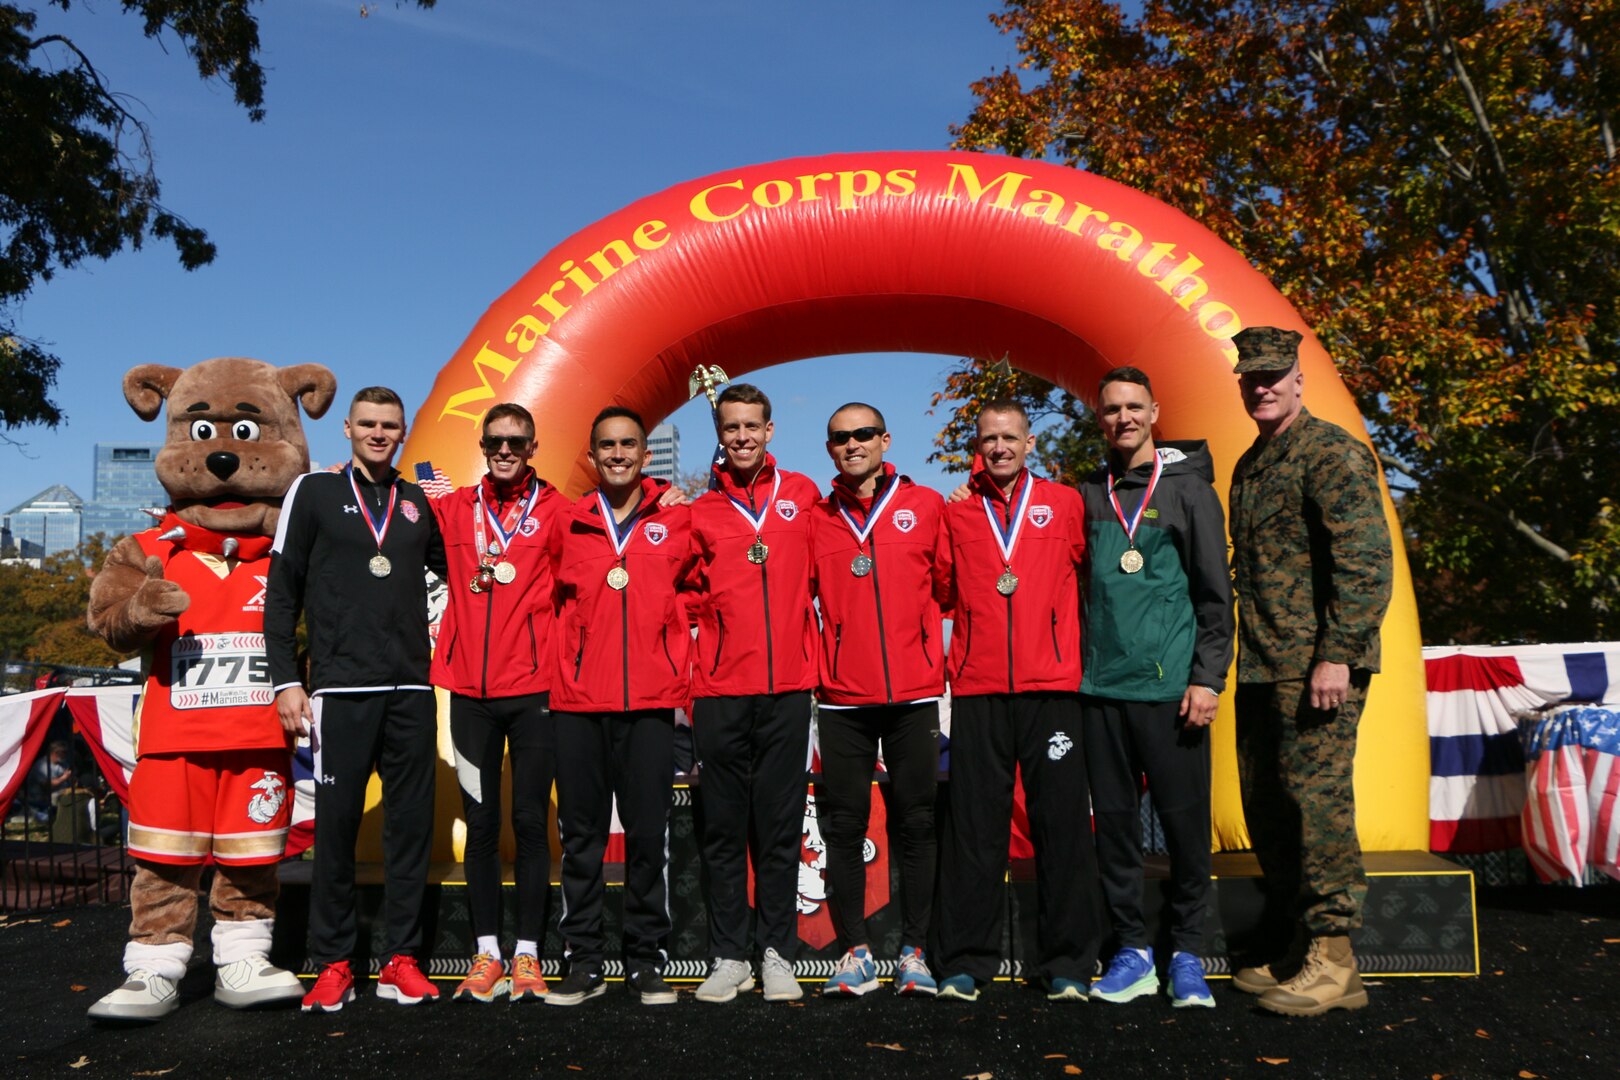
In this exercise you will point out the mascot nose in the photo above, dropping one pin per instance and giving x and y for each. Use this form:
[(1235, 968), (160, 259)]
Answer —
[(222, 463)]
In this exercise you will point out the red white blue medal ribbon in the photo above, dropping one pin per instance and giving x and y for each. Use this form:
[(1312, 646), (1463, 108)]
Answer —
[(1006, 536), (1136, 518), (520, 510), (864, 532), (377, 532), (758, 521), (619, 534)]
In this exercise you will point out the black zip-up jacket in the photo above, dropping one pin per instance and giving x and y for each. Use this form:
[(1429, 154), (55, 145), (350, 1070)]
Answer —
[(365, 632)]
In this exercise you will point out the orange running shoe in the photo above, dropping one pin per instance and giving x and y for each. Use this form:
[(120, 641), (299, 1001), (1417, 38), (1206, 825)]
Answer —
[(527, 982), (486, 980)]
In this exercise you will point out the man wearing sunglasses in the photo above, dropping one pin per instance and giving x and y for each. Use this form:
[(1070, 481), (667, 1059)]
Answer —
[(881, 571), (494, 657), (350, 552)]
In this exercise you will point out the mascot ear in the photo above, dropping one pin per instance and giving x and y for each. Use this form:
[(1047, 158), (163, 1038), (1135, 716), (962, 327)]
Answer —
[(146, 387), (311, 384)]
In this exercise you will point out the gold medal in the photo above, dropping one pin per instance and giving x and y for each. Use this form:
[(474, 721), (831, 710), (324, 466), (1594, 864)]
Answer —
[(380, 566), (1131, 561), (861, 565), (618, 577), (505, 573), (1007, 583), (758, 552)]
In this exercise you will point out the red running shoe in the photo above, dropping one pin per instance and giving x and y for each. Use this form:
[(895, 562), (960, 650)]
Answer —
[(486, 980), (403, 982), (333, 989)]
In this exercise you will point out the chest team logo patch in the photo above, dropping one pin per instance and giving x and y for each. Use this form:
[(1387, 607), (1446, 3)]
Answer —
[(904, 520), (1040, 516), (654, 532), (272, 792), (256, 601), (787, 508), (409, 510), (1058, 746), (529, 526)]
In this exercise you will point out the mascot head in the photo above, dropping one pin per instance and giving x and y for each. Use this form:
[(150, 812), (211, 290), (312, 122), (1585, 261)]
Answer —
[(235, 442)]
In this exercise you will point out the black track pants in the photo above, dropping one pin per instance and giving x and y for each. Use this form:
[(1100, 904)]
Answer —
[(394, 732), (484, 730), (849, 740), (601, 756), (991, 735), (751, 791), (1125, 740)]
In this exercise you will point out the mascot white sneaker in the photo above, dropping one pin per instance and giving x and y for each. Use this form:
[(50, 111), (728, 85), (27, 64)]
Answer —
[(213, 768)]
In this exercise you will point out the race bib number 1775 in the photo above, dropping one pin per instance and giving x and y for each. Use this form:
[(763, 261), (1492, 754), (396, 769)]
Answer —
[(209, 671)]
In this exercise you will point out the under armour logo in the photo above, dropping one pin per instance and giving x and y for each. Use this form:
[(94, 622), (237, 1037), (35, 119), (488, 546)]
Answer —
[(1058, 745), (350, 508)]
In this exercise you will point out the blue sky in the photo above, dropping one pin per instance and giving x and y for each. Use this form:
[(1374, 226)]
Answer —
[(414, 164)]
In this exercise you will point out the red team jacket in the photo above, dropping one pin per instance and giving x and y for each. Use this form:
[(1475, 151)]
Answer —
[(881, 639), (209, 683), (619, 650), (756, 626), (497, 643), (1028, 641)]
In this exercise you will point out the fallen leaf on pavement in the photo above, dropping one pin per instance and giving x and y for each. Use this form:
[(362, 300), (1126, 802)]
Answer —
[(1481, 1033), (978, 1076), (1526, 1074), (78, 988), (1056, 1057), (1611, 941), (1273, 1061), (886, 1046), (1072, 1070), (157, 1072), (64, 922), (334, 1034), (81, 1063)]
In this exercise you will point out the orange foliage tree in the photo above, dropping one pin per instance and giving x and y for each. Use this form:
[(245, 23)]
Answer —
[(1433, 185)]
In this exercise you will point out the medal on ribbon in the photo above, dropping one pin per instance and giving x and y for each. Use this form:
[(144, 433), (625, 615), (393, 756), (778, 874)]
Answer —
[(757, 551), (1006, 536), (863, 563), (619, 535), (491, 567), (379, 565), (1131, 561)]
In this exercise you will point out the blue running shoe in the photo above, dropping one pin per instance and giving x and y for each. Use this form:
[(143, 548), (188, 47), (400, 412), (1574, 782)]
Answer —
[(855, 975), (1186, 985), (959, 988), (1129, 977), (1067, 989), (911, 975)]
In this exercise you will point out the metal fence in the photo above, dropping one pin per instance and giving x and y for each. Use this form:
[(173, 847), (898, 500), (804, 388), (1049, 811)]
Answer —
[(62, 841)]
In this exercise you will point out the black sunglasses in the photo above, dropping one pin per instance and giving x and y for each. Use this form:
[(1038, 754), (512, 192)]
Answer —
[(518, 443), (862, 434)]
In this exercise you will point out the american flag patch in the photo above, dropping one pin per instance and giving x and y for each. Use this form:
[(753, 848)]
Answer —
[(435, 483)]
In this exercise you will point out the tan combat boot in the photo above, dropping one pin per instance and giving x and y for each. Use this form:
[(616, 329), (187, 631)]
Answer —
[(1258, 978), (1327, 980)]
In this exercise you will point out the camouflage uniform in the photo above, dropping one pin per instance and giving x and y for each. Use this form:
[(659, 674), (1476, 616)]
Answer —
[(1312, 566)]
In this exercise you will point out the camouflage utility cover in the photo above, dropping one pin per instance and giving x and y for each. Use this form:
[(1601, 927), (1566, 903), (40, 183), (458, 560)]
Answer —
[(1311, 557)]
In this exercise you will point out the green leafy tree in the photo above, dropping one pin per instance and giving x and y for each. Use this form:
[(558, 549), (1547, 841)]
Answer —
[(77, 177), (1434, 186), (42, 610)]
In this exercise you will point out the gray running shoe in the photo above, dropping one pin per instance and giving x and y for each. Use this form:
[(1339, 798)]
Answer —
[(726, 980), (144, 996), (780, 983)]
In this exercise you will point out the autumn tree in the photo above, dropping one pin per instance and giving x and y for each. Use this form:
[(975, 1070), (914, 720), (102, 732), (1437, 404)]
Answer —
[(42, 609), (1433, 186), (77, 176)]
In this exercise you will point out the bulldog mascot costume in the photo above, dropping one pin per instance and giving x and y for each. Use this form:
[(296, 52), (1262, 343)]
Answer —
[(213, 773)]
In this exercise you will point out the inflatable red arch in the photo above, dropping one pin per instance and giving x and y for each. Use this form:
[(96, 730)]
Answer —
[(1064, 272)]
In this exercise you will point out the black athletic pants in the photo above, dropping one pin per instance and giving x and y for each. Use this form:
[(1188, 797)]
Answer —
[(484, 731), (751, 788), (396, 733), (1125, 740), (849, 749), (991, 736), (601, 756)]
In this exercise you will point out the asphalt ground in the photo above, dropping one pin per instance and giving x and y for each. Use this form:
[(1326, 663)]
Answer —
[(1546, 1004)]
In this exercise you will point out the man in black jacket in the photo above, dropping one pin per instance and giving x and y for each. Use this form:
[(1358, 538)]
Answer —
[(350, 552)]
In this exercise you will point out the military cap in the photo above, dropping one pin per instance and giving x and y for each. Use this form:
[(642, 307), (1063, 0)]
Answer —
[(1266, 348)]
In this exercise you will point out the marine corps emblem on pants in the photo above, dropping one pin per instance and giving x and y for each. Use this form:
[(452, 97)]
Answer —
[(263, 807)]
